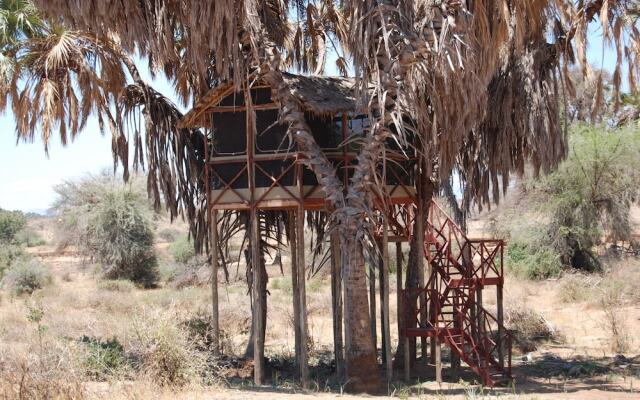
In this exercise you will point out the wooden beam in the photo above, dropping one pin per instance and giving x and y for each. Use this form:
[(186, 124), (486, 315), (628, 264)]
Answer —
[(499, 305), (421, 272), (258, 344), (293, 245), (384, 289), (304, 367), (372, 303), (215, 254), (336, 296)]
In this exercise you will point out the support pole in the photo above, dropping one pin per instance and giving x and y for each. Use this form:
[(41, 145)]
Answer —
[(499, 299), (258, 344), (384, 291), (304, 367), (295, 287), (215, 327), (421, 273), (438, 356), (336, 297), (399, 309), (407, 359), (372, 303)]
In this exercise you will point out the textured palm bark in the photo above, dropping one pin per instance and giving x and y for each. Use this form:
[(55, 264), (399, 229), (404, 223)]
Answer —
[(360, 355), (262, 290)]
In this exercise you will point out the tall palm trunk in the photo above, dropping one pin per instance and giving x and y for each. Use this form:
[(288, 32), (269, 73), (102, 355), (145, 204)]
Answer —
[(360, 353), (361, 366), (248, 353)]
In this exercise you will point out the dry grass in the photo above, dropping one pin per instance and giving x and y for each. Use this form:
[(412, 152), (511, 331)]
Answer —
[(163, 332)]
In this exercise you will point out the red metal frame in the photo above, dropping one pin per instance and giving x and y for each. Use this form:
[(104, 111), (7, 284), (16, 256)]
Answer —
[(460, 268)]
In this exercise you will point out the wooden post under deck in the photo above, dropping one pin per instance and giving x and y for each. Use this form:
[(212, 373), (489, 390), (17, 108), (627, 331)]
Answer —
[(420, 215), (215, 327), (293, 247), (304, 367), (399, 310), (499, 299), (384, 290), (372, 303), (258, 344), (336, 303)]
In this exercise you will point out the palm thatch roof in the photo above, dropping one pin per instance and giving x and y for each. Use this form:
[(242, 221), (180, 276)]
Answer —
[(323, 95)]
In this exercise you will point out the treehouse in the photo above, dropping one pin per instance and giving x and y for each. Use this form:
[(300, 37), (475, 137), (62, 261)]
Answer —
[(254, 164), (251, 164)]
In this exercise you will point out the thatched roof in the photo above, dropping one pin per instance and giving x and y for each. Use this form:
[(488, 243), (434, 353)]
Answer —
[(324, 95)]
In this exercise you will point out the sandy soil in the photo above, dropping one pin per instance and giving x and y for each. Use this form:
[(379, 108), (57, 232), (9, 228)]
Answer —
[(580, 366)]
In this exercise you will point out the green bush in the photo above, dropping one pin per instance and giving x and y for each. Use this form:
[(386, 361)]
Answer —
[(104, 359), (29, 238), (112, 223), (530, 254), (591, 194), (182, 249), (9, 253), (26, 276), (11, 222)]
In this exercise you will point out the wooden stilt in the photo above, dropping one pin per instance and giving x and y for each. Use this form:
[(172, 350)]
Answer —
[(399, 309), (438, 357), (421, 273), (499, 305), (295, 287), (372, 302), (304, 367), (336, 296), (407, 360), (215, 327), (384, 304), (258, 344)]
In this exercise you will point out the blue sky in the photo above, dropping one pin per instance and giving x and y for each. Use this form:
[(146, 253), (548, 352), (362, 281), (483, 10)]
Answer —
[(27, 175)]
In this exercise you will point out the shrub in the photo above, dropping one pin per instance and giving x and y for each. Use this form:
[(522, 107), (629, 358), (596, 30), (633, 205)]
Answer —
[(529, 256), (30, 238), (182, 249), (166, 354), (170, 271), (120, 233), (194, 273), (576, 288), (103, 358), (26, 277), (111, 222), (592, 192), (281, 283), (9, 253), (529, 328), (11, 222), (169, 234), (117, 285)]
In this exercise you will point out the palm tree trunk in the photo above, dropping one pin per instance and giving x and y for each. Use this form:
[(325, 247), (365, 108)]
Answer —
[(262, 290), (360, 356)]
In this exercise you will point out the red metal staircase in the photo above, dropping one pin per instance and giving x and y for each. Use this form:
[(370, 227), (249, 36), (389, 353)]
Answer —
[(449, 307)]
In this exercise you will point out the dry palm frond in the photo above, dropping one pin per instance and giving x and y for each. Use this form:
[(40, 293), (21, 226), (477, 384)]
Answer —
[(174, 156), (63, 78)]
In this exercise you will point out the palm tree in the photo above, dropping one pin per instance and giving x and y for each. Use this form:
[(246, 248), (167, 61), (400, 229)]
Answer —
[(481, 80)]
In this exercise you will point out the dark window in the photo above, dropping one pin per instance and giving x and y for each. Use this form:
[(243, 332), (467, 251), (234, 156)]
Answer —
[(229, 133), (326, 131), (235, 99), (272, 137), (261, 96)]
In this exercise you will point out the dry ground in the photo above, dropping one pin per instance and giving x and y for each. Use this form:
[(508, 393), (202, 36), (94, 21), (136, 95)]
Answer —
[(581, 365)]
